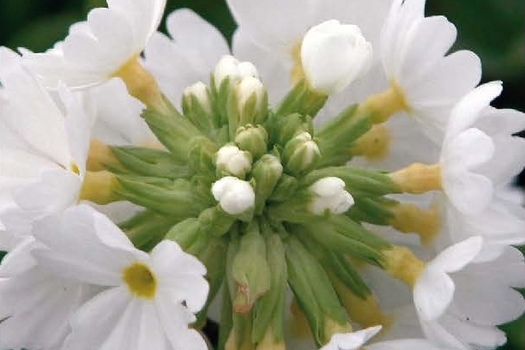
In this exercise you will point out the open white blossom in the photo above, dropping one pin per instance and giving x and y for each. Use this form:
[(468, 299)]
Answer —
[(95, 50), (154, 294)]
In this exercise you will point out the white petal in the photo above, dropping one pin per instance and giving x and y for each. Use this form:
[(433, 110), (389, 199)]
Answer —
[(351, 341), (457, 256), (433, 293)]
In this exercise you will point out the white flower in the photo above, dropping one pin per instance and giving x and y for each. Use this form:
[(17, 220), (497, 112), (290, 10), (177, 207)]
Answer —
[(96, 49), (191, 54), (484, 297), (329, 194), (333, 55), (234, 196), (150, 298), (44, 142), (36, 304), (413, 50), (274, 46), (470, 168), (232, 160), (434, 289)]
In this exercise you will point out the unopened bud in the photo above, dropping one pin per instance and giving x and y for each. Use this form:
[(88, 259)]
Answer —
[(230, 67), (329, 194), (333, 55), (252, 139), (234, 196), (232, 161), (197, 105), (251, 101), (266, 171), (301, 153)]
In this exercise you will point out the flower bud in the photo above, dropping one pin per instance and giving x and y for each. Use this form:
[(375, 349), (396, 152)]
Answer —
[(252, 101), (227, 67), (252, 139), (300, 153), (333, 55), (230, 67), (197, 106), (266, 171), (329, 194), (234, 196), (231, 160)]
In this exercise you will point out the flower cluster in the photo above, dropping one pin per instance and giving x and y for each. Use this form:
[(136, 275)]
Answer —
[(150, 182)]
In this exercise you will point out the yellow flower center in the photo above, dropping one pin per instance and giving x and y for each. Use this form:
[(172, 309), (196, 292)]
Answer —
[(140, 280), (75, 168)]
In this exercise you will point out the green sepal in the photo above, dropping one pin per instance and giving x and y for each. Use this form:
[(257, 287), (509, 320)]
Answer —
[(147, 228), (270, 308), (174, 131), (368, 182), (215, 221), (149, 162), (338, 265), (339, 233), (267, 172), (286, 188), (374, 210), (294, 210), (175, 198), (250, 269), (303, 100), (336, 137), (185, 233), (214, 258), (312, 289), (284, 128), (201, 153)]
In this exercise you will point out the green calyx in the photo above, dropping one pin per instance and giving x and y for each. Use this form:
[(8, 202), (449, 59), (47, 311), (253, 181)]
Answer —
[(277, 241)]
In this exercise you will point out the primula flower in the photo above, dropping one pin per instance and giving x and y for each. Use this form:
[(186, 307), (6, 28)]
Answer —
[(142, 292), (95, 50)]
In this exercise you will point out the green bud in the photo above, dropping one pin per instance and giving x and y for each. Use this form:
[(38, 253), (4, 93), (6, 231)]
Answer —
[(250, 270), (198, 107), (303, 100), (174, 131), (149, 162), (300, 154), (338, 135), (269, 310), (253, 139), (374, 210), (313, 290), (266, 171), (173, 198), (285, 128)]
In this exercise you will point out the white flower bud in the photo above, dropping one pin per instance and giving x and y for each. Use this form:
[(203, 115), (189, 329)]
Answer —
[(252, 101), (230, 67), (247, 69), (230, 159), (234, 196), (333, 55), (329, 194), (201, 93), (227, 67)]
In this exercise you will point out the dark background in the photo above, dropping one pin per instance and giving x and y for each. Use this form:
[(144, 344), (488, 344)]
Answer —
[(494, 29)]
